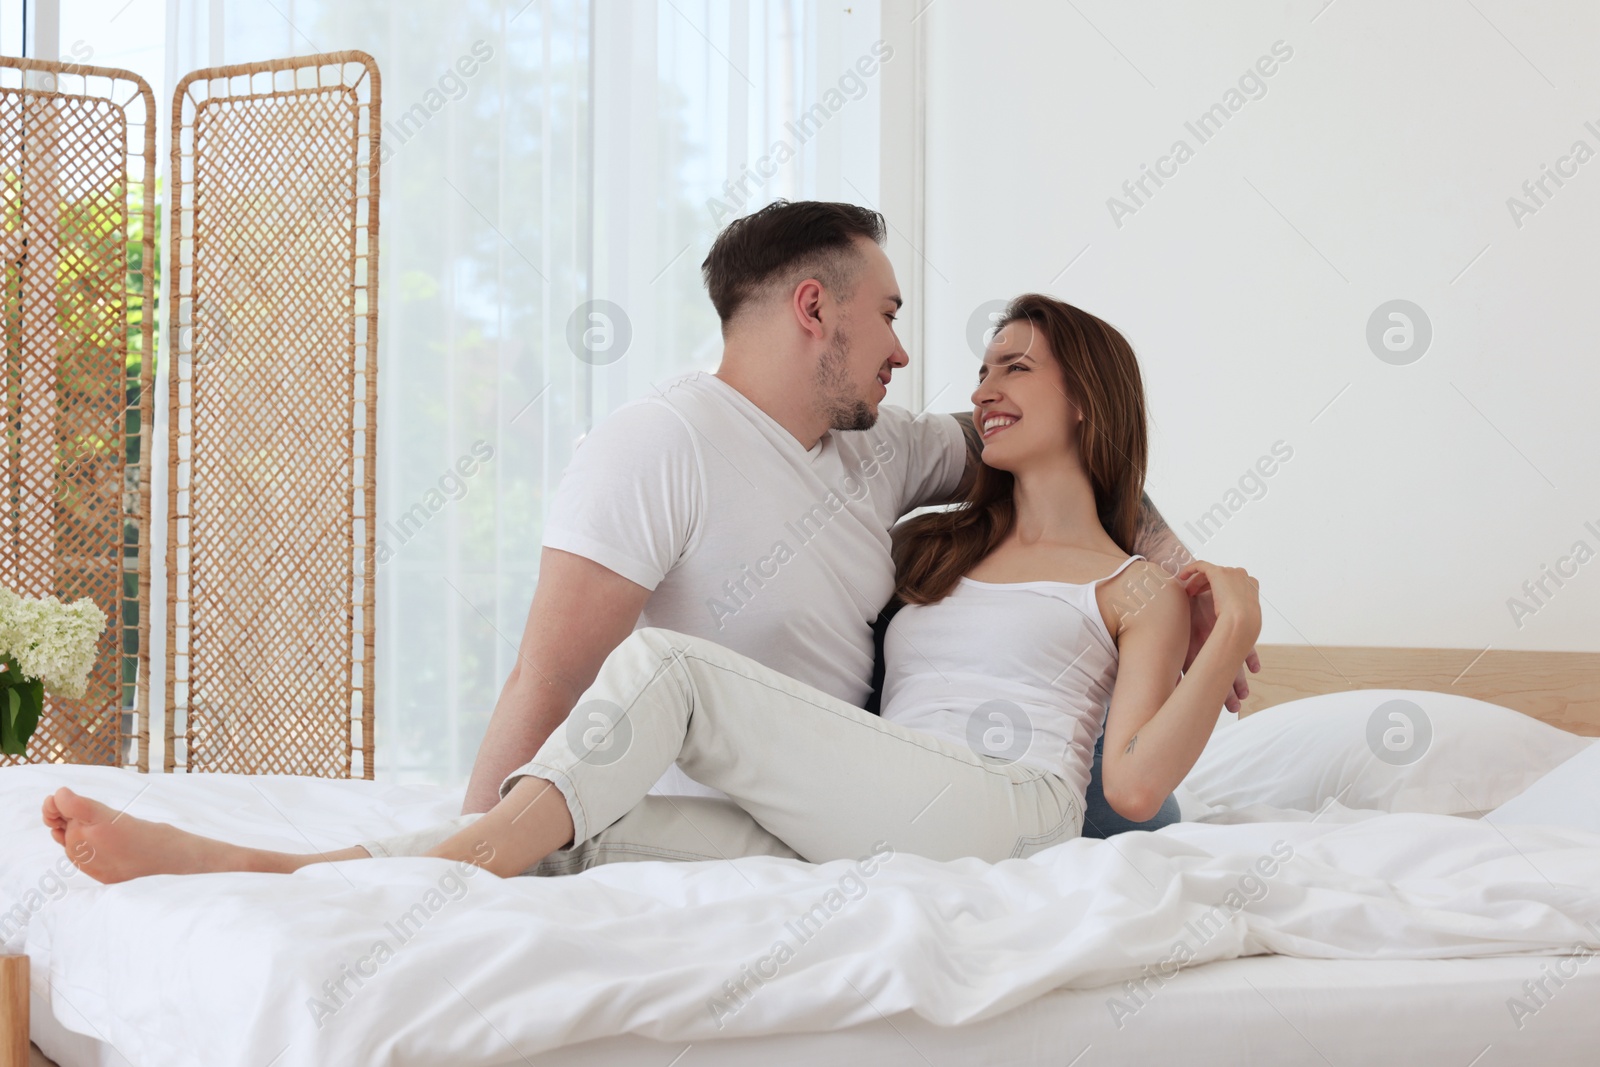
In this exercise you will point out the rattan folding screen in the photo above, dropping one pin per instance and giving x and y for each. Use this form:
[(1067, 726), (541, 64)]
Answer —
[(77, 177), (273, 419)]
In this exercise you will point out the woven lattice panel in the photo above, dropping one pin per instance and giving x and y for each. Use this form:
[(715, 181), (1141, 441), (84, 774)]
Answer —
[(77, 190), (273, 380)]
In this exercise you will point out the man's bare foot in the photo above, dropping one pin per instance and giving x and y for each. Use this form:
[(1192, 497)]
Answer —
[(112, 847)]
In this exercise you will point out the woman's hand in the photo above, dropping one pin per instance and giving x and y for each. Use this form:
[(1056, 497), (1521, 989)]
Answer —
[(1202, 618), (1237, 600)]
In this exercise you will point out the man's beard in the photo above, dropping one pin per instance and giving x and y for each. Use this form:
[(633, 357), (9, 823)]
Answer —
[(844, 411)]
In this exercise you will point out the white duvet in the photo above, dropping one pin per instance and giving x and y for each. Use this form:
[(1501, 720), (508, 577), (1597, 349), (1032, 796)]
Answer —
[(414, 962)]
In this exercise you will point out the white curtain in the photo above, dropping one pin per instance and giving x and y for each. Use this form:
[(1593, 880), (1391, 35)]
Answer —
[(554, 172)]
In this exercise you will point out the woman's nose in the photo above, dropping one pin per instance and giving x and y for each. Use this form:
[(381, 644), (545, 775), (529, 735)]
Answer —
[(984, 391)]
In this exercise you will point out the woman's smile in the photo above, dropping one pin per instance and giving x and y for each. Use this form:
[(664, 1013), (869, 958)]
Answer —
[(996, 421)]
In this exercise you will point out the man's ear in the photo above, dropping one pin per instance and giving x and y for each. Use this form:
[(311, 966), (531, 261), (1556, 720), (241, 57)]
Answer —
[(806, 303)]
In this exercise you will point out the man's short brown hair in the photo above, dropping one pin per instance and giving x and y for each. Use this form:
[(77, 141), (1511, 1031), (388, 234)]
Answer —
[(788, 242)]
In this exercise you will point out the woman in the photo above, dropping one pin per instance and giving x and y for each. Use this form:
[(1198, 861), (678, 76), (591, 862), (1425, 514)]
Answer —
[(1013, 640)]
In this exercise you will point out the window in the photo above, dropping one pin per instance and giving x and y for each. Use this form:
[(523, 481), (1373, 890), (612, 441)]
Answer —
[(554, 172)]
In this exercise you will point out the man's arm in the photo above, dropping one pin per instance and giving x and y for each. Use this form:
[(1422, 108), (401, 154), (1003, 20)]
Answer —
[(580, 612), (974, 455), (1156, 542)]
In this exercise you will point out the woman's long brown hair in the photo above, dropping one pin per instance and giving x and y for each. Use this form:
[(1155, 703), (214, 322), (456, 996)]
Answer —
[(1102, 379)]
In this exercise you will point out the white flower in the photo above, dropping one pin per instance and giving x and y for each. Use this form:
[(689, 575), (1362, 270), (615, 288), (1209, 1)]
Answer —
[(51, 641)]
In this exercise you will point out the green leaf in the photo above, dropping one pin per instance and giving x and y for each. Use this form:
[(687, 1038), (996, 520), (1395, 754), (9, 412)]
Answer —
[(10, 744), (32, 709)]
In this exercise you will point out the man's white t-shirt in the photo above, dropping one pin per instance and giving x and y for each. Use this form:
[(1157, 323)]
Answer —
[(746, 538)]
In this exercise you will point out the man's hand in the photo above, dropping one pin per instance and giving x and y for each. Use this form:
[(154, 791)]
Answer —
[(1157, 543), (1202, 618)]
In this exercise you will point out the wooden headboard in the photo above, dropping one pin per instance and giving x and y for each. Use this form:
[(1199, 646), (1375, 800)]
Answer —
[(1560, 688)]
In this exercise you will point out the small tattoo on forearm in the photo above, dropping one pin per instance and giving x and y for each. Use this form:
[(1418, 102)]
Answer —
[(1131, 743)]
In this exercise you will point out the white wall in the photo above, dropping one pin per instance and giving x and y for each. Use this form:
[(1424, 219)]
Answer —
[(1376, 166)]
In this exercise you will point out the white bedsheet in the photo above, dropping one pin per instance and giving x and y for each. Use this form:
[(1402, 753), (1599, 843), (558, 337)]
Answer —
[(1279, 1010), (228, 969)]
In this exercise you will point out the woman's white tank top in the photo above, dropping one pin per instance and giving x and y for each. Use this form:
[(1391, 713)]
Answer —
[(1019, 670)]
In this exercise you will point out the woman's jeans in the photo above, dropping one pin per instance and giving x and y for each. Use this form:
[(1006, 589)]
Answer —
[(808, 775), (1100, 820)]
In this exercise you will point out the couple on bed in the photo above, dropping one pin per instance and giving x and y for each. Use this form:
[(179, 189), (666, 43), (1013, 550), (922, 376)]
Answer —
[(748, 519)]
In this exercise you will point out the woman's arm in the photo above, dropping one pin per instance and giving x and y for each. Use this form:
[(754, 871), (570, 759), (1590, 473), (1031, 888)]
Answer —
[(1155, 541), (1158, 725)]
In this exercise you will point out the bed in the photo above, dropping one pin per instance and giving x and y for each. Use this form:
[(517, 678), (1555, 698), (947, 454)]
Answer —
[(1341, 926)]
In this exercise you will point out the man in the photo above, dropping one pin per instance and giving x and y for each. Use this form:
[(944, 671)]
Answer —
[(753, 506)]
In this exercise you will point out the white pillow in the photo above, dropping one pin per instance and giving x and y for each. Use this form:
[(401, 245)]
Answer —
[(1387, 749), (1567, 796)]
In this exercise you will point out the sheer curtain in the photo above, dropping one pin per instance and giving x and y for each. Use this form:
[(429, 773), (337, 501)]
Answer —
[(554, 172)]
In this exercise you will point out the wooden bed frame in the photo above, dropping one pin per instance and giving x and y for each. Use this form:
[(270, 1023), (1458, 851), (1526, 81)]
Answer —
[(1560, 688)]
